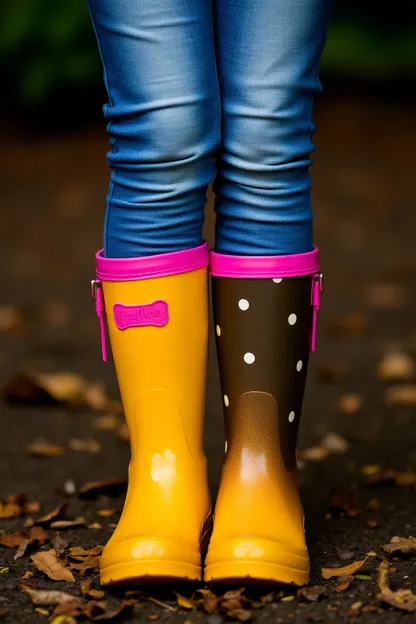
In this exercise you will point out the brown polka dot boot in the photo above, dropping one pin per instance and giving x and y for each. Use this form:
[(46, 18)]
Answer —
[(265, 319)]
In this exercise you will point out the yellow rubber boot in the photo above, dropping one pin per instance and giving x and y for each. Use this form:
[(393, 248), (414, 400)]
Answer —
[(265, 315), (157, 316)]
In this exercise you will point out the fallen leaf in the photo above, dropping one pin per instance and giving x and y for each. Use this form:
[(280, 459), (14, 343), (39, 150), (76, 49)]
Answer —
[(50, 597), (404, 395), (55, 514), (334, 443), (109, 487), (164, 605), (86, 589), (328, 573), (59, 543), (95, 525), (31, 507), (350, 403), (95, 396), (372, 523), (344, 554), (123, 433), (345, 582), (288, 598), (42, 611), (354, 610), (48, 563), (311, 594), (63, 619), (4, 570), (44, 449), (98, 611), (405, 478), (345, 499), (89, 563), (206, 599), (88, 446), (403, 545), (44, 389), (22, 550), (10, 510), (153, 617), (363, 577), (313, 453), (68, 524), (12, 540), (106, 513), (184, 602), (396, 367), (27, 575), (403, 599), (106, 422)]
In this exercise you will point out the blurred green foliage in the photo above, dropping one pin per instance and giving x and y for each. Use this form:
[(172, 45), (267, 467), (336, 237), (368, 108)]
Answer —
[(48, 46)]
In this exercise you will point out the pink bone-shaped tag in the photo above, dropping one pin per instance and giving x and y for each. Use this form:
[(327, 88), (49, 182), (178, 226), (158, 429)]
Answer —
[(155, 313)]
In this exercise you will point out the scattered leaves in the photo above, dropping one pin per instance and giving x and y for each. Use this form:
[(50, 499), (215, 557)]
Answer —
[(98, 611), (311, 594), (328, 573), (50, 597), (345, 582), (13, 540), (48, 563), (402, 545), (354, 610), (39, 448), (403, 599), (183, 602), (334, 443), (9, 510), (109, 487), (106, 422), (56, 514), (86, 589), (205, 599), (86, 446), (61, 525)]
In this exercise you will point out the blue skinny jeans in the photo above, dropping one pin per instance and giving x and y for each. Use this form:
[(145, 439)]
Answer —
[(203, 91)]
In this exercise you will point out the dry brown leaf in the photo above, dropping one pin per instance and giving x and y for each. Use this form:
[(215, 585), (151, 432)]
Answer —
[(350, 403), (123, 433), (354, 610), (48, 563), (346, 499), (345, 582), (27, 575), (403, 545), (334, 443), (96, 397), (153, 617), (22, 550), (329, 573), (95, 525), (44, 389), (68, 524), (55, 514), (13, 540), (396, 366), (44, 449), (109, 487), (206, 599), (405, 478), (404, 395), (313, 453), (311, 594), (9, 510), (50, 597), (31, 507), (184, 602), (106, 422), (344, 554), (98, 611), (59, 543), (84, 446), (106, 513), (403, 599), (86, 589), (89, 563)]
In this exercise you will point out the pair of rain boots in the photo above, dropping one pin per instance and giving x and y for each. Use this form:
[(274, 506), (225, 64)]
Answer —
[(265, 318)]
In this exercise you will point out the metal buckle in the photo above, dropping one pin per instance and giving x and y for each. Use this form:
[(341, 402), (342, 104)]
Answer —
[(319, 279), (95, 285)]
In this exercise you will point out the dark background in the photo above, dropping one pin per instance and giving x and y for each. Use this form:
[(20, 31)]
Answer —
[(53, 182)]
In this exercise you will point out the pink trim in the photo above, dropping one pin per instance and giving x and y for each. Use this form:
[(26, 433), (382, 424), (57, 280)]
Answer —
[(97, 295), (161, 265), (317, 289), (264, 267)]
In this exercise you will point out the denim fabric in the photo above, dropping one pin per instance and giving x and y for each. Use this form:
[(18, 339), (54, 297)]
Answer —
[(199, 91)]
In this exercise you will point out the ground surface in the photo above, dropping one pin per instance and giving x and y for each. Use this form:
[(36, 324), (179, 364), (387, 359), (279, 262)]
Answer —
[(52, 197)]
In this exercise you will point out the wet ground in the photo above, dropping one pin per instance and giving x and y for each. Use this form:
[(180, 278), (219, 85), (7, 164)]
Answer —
[(52, 194)]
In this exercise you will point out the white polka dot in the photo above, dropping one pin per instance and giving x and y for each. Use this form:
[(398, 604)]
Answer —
[(291, 416), (292, 319), (243, 304), (226, 400), (277, 280), (249, 358), (218, 330), (299, 366)]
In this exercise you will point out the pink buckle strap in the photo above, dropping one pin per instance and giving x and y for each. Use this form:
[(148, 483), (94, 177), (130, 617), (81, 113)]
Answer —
[(317, 290), (130, 269)]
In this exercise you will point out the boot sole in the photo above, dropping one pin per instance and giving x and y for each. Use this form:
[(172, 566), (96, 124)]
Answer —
[(253, 573), (149, 572)]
